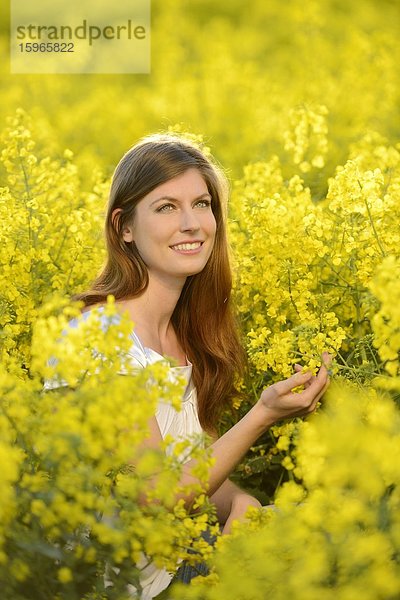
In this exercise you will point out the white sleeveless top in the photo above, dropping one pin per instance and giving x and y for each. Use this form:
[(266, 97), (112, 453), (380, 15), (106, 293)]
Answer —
[(181, 424)]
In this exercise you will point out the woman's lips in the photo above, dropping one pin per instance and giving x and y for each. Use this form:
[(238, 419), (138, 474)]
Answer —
[(187, 247)]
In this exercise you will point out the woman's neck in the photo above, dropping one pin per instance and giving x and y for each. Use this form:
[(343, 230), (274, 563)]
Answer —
[(152, 311)]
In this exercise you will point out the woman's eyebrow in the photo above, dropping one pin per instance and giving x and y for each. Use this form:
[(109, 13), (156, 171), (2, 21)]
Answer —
[(176, 199)]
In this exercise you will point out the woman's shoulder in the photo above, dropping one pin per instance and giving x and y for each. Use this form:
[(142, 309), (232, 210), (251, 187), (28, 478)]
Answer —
[(138, 353), (99, 310), (104, 320)]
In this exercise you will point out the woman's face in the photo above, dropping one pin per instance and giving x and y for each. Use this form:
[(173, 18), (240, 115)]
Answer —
[(174, 227)]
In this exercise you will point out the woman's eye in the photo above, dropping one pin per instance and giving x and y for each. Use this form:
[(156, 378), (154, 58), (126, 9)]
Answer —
[(165, 208), (204, 203)]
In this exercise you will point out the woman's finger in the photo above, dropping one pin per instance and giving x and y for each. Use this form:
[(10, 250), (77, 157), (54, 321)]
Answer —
[(286, 386), (299, 368), (325, 378), (313, 390)]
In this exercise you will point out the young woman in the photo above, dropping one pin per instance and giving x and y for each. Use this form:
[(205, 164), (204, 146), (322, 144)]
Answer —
[(168, 267)]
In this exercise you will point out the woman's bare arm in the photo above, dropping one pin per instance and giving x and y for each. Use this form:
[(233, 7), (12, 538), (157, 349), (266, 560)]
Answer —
[(276, 402)]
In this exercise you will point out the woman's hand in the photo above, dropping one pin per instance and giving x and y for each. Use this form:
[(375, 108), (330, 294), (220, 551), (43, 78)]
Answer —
[(280, 402)]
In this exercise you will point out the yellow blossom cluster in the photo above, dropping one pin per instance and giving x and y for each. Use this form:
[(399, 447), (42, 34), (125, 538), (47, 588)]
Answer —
[(303, 269), (337, 533), (307, 136), (50, 233), (278, 270), (313, 276), (80, 496), (386, 321)]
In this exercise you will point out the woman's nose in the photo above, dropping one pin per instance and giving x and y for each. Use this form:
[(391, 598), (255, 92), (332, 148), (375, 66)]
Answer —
[(189, 221)]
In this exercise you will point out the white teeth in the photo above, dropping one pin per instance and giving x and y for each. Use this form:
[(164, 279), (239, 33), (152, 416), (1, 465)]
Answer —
[(187, 246)]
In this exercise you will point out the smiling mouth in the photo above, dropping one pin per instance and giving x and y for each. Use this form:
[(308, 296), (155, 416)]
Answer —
[(192, 246)]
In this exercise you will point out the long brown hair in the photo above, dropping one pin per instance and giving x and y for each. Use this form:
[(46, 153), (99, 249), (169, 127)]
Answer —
[(203, 317)]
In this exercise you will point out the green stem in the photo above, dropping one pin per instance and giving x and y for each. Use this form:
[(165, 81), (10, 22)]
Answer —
[(372, 223)]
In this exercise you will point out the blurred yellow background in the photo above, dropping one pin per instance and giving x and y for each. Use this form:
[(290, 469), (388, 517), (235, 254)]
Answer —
[(231, 71)]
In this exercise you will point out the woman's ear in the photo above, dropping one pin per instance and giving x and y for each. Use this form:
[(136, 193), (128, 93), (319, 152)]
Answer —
[(127, 234)]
